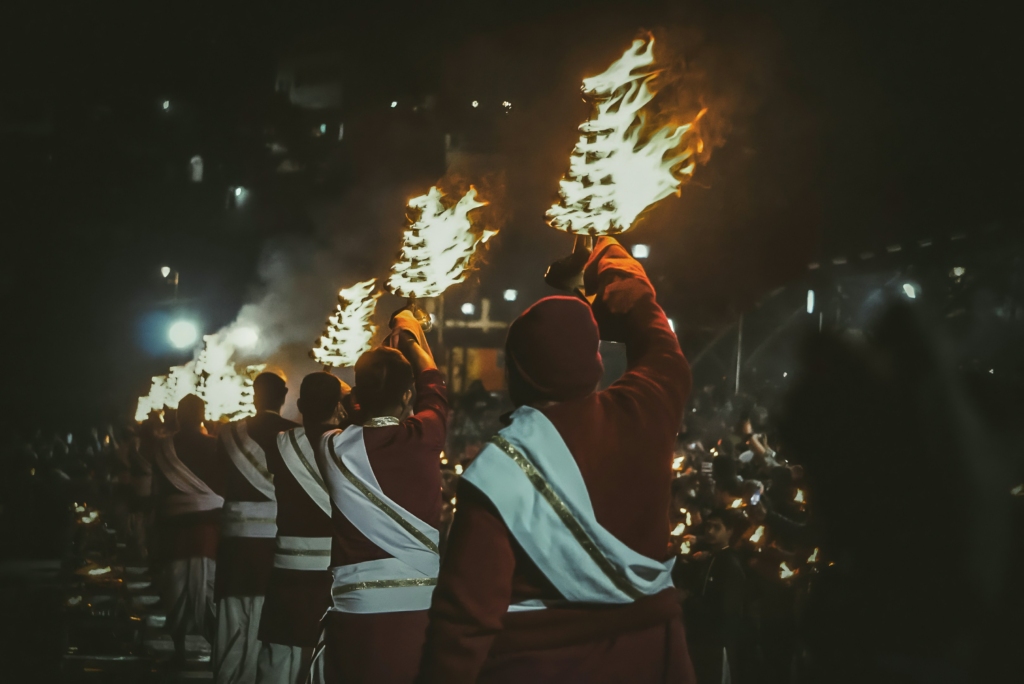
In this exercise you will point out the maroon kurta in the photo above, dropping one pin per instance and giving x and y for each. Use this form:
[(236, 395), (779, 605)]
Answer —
[(191, 534), (386, 647), (244, 564), (622, 440), (296, 599)]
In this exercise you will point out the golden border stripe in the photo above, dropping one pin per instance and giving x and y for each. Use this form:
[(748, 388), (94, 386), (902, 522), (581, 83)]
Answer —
[(298, 454), (303, 552), (375, 500), (566, 516), (384, 584), (260, 468), (382, 421)]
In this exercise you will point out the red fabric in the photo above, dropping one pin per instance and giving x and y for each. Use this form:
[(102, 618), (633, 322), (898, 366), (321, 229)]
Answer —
[(406, 461), (554, 347), (622, 440), (244, 565), (190, 535), (382, 648), (296, 599)]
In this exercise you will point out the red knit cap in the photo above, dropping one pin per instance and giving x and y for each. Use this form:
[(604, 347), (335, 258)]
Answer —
[(553, 347)]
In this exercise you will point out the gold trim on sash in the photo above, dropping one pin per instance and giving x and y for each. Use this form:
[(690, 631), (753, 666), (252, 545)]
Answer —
[(566, 516), (376, 501), (382, 421), (260, 468), (298, 454), (303, 552), (384, 584)]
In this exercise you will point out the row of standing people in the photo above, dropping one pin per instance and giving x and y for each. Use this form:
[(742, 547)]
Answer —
[(312, 551)]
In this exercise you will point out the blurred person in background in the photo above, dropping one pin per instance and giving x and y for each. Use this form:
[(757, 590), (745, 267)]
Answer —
[(187, 489)]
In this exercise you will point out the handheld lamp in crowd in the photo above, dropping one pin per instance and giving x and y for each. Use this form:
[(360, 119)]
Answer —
[(212, 375), (621, 166), (350, 328)]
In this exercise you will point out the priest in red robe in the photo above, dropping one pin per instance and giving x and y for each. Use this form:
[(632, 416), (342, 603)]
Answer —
[(384, 476), (187, 488), (249, 529), (558, 565), (299, 590)]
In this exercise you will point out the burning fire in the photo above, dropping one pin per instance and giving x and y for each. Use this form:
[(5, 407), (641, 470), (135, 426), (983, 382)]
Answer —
[(758, 535), (813, 558), (350, 328), (619, 168), (437, 246), (212, 376), (784, 571)]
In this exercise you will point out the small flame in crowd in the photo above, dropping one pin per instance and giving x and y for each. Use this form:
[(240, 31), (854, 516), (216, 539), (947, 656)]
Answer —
[(758, 534), (736, 503), (212, 376), (350, 328), (438, 245), (619, 168), (813, 558), (784, 571), (799, 497), (679, 530)]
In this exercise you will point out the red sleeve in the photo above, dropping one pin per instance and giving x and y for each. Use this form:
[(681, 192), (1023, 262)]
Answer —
[(473, 592), (429, 423), (658, 376)]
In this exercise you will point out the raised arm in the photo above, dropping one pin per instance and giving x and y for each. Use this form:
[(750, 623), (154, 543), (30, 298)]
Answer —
[(626, 309)]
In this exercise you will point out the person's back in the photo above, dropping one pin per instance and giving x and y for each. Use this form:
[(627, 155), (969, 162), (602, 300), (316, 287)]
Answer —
[(298, 590), (246, 554), (188, 488), (501, 610), (385, 482)]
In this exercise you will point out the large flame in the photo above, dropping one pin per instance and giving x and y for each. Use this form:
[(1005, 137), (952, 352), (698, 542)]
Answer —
[(212, 375), (619, 168), (437, 246), (350, 328)]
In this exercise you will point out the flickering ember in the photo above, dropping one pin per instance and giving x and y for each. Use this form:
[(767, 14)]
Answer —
[(350, 328), (438, 245), (619, 166)]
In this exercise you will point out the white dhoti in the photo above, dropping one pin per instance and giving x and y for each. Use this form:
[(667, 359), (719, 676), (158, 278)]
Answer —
[(237, 646), (188, 598), (280, 664)]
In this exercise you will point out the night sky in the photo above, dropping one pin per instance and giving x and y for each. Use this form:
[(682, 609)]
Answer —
[(842, 127)]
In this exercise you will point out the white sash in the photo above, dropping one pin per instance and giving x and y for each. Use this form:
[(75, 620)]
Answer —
[(248, 457), (405, 582), (252, 519), (303, 553), (297, 454), (532, 479), (194, 495)]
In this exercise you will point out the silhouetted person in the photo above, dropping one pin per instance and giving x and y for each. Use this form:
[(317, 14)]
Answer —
[(248, 536), (299, 590), (187, 489)]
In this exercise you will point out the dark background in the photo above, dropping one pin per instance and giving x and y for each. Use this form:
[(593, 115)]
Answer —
[(841, 128)]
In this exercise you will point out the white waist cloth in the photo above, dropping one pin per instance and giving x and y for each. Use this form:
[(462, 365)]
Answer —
[(255, 519), (380, 586), (404, 582), (194, 495), (535, 484), (303, 553)]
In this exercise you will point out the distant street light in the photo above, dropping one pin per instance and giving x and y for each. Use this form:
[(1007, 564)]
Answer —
[(511, 295), (238, 192), (167, 105), (810, 301), (245, 337), (165, 271), (183, 334), (475, 104), (641, 251), (394, 103), (910, 291), (468, 309)]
